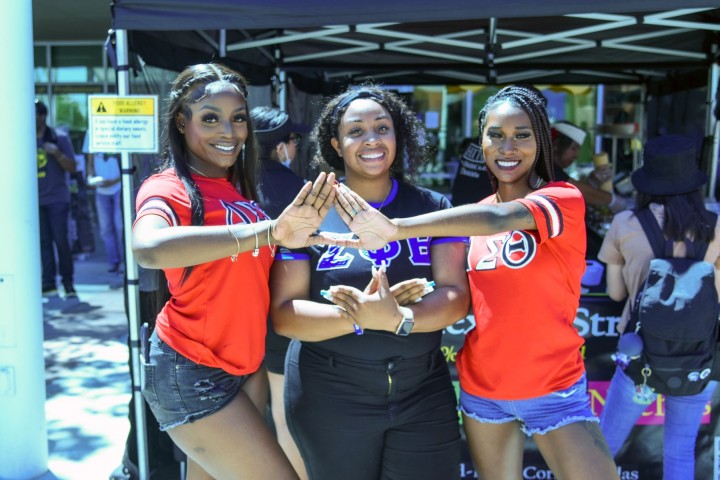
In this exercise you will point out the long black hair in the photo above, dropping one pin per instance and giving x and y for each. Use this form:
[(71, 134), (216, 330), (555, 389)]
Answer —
[(410, 139), (191, 86), (685, 215), (530, 101)]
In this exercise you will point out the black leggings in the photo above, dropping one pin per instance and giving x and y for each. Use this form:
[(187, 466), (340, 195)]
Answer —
[(368, 420)]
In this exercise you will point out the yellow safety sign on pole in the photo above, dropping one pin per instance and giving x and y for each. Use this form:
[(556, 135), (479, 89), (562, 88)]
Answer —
[(123, 123)]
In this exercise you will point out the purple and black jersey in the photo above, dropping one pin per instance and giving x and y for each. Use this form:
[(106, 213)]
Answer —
[(404, 260)]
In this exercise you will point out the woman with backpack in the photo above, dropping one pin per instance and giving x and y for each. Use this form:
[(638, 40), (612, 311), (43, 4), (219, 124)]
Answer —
[(668, 184)]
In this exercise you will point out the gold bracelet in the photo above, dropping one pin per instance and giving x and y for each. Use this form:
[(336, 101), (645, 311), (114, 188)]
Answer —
[(255, 252), (270, 245), (233, 258)]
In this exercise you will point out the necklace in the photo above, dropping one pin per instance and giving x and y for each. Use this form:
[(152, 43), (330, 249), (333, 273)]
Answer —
[(387, 195), (196, 171), (199, 172)]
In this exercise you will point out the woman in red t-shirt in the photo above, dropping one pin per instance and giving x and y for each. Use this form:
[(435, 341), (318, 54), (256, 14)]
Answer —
[(197, 220)]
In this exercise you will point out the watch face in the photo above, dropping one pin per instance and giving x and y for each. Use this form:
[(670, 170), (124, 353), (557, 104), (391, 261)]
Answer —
[(405, 328)]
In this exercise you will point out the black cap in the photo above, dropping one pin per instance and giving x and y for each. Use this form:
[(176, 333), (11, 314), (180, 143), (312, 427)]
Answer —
[(670, 167), (273, 125)]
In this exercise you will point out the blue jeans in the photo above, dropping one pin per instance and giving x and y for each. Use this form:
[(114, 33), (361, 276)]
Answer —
[(180, 391), (537, 416), (54, 236), (111, 225), (682, 421)]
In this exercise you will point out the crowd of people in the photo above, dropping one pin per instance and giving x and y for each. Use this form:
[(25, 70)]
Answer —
[(300, 326)]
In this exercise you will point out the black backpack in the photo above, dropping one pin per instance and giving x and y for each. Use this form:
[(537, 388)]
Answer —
[(676, 315)]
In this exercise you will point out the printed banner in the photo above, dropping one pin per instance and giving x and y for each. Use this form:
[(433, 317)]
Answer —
[(641, 457)]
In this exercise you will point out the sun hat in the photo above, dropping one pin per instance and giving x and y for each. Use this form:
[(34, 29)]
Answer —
[(670, 167)]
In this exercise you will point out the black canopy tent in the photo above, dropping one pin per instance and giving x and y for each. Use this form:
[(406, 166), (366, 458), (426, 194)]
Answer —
[(323, 45)]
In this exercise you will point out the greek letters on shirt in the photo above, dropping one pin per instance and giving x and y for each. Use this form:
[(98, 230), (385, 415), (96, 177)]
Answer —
[(247, 212), (416, 250), (515, 249)]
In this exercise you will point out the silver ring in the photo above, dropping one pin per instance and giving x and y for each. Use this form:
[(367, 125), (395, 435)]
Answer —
[(353, 212)]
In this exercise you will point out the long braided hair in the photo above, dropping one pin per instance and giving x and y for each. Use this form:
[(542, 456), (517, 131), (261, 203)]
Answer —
[(411, 151), (532, 103), (192, 85)]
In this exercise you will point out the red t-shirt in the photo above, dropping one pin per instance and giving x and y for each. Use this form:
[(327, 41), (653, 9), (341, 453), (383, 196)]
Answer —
[(217, 316), (525, 289)]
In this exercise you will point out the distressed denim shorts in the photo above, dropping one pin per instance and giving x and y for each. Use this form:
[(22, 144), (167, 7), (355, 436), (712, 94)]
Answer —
[(180, 391), (538, 415)]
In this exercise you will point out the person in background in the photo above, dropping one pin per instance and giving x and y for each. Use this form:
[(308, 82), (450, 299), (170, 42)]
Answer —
[(472, 182), (103, 175), (278, 138), (55, 160), (521, 369), (199, 222), (368, 391), (567, 139), (82, 239), (669, 185)]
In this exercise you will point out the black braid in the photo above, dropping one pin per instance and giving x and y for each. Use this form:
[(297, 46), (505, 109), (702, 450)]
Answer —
[(533, 104)]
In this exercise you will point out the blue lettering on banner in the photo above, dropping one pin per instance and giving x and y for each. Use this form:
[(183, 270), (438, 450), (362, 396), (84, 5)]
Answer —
[(595, 325)]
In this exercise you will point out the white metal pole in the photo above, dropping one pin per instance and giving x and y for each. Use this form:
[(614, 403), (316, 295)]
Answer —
[(23, 429), (599, 117), (281, 88), (131, 268)]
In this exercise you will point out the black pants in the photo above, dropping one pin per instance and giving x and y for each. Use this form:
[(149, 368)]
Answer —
[(54, 236), (362, 420)]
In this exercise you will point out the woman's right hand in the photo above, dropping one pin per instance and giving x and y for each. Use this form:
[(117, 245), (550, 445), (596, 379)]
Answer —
[(406, 292), (411, 291), (297, 225), (376, 308)]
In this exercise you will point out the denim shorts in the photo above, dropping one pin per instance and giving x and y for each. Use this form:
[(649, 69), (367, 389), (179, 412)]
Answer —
[(180, 391), (538, 415)]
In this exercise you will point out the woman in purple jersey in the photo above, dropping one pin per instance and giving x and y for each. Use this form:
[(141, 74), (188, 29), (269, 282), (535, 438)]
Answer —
[(368, 392)]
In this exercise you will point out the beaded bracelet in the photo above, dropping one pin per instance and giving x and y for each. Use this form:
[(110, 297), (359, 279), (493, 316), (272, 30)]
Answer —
[(233, 258)]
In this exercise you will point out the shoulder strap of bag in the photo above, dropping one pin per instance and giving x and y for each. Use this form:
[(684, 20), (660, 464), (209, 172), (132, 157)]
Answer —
[(652, 231), (663, 248)]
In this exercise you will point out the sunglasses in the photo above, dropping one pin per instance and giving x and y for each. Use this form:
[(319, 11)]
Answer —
[(295, 138)]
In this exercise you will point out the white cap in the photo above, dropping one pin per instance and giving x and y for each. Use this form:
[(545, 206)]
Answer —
[(577, 134)]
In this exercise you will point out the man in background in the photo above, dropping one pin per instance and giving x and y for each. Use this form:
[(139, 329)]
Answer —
[(55, 160)]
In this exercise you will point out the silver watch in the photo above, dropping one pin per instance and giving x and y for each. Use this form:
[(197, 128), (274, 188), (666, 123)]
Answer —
[(407, 323)]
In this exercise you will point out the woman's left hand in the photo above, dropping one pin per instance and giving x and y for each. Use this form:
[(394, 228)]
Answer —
[(378, 310), (297, 225)]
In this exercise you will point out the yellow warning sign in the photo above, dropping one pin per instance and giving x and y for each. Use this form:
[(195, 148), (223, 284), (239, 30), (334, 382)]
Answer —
[(123, 123), (122, 106)]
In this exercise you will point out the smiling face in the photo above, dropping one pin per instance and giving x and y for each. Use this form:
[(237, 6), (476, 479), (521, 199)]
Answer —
[(509, 146), (366, 140), (216, 131)]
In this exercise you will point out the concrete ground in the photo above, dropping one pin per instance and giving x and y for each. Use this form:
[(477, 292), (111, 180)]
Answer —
[(88, 384)]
